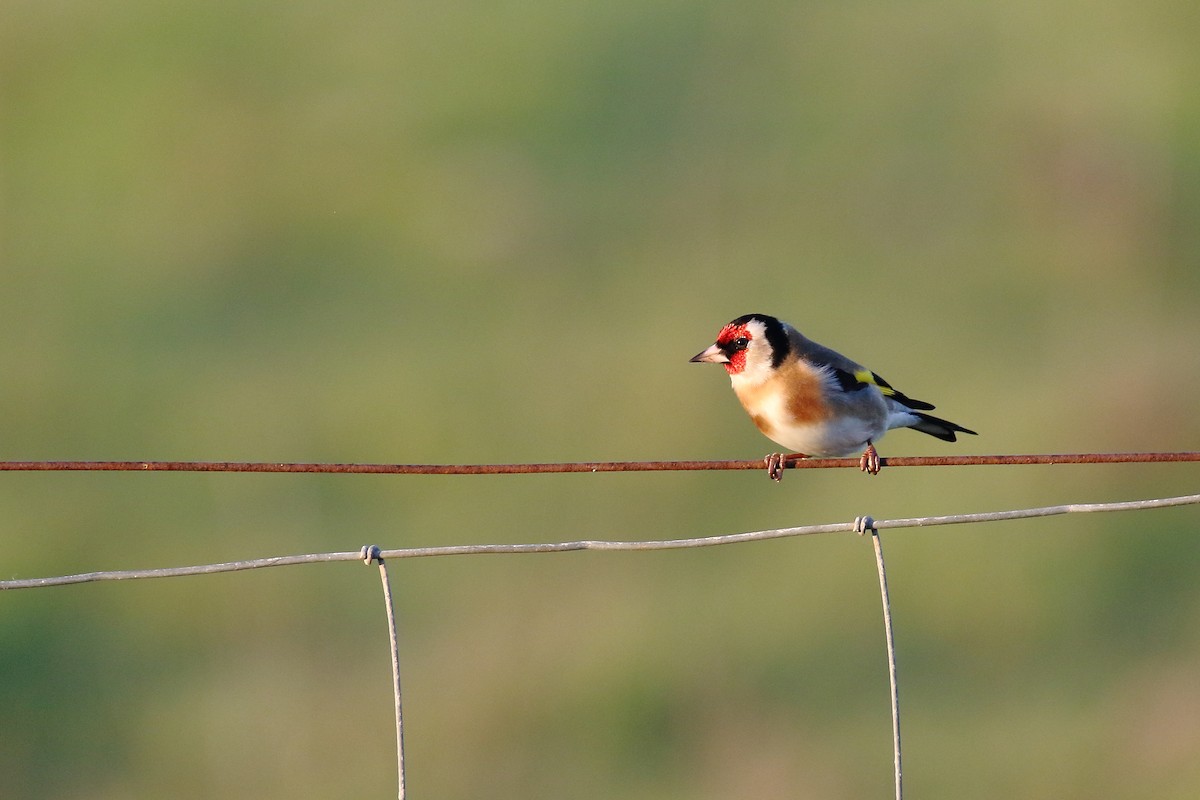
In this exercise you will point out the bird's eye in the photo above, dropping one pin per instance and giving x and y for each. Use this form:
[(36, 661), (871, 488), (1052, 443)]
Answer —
[(740, 343)]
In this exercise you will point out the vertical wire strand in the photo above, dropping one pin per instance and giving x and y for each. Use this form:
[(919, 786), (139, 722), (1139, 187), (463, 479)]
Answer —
[(371, 553), (891, 652)]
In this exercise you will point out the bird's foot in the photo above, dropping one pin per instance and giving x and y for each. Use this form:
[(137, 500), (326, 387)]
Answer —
[(774, 462), (869, 463), (777, 463)]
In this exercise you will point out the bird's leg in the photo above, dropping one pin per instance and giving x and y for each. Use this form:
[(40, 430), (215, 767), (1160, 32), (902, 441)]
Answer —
[(869, 463), (777, 462)]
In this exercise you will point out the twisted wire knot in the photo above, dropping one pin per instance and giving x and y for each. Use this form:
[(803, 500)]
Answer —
[(864, 524)]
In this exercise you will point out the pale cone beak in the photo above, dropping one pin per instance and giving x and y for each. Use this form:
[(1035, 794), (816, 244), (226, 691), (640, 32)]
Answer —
[(712, 355)]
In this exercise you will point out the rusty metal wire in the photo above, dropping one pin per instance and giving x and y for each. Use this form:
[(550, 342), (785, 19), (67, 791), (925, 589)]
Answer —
[(791, 462)]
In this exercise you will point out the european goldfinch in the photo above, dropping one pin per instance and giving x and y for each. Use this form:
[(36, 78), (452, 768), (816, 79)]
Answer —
[(811, 399)]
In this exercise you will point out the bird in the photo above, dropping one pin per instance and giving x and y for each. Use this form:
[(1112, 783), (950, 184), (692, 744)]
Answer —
[(811, 399)]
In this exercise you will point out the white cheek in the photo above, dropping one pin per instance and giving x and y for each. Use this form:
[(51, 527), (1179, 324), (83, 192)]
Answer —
[(754, 373)]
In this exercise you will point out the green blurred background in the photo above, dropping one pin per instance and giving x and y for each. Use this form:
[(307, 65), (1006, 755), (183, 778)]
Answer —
[(478, 232)]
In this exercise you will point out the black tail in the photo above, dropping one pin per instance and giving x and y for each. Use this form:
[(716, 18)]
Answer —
[(939, 428)]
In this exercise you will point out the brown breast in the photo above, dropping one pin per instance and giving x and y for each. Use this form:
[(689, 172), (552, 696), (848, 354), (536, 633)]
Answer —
[(802, 390)]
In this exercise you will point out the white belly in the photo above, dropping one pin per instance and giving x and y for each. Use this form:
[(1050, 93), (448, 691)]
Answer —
[(844, 437)]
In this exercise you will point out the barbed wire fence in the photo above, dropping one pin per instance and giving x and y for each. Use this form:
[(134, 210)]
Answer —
[(370, 554)]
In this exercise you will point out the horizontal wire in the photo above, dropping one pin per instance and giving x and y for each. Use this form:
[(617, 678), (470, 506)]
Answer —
[(594, 544), (792, 462)]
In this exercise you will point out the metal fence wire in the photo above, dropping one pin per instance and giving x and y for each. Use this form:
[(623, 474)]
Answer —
[(373, 554)]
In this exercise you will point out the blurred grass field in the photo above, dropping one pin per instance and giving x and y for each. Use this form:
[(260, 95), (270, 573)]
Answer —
[(479, 232)]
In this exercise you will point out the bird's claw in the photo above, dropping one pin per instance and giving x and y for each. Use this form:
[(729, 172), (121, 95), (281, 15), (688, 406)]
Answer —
[(777, 463), (869, 463), (775, 466)]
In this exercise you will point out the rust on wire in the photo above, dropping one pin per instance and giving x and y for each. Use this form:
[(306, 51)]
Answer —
[(792, 462)]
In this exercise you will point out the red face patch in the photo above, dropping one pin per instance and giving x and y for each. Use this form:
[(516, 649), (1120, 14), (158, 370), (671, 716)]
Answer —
[(737, 358), (731, 332)]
